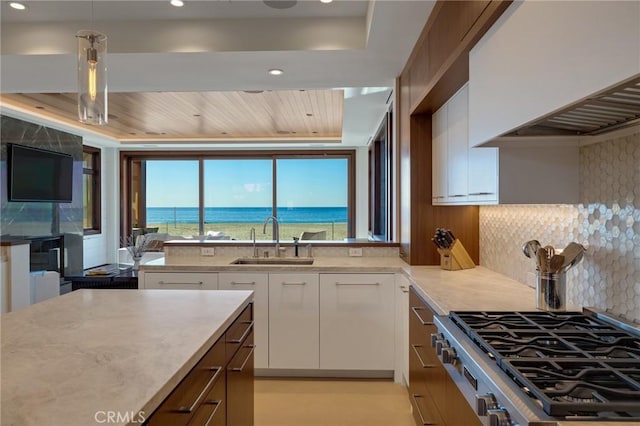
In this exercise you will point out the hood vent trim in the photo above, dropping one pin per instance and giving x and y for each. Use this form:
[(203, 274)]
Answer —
[(603, 112)]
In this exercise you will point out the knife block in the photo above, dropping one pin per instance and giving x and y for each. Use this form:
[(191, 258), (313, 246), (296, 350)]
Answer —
[(455, 258)]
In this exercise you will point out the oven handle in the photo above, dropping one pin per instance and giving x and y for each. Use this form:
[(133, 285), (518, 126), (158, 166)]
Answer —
[(422, 420), (415, 310), (415, 349)]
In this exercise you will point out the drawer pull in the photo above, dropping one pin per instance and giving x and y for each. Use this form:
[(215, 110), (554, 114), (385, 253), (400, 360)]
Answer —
[(217, 403), (180, 283), (458, 195), (241, 283), (422, 420), (415, 310), (356, 284), (292, 283), (415, 349), (404, 289), (239, 369), (202, 393), (245, 334), (481, 193)]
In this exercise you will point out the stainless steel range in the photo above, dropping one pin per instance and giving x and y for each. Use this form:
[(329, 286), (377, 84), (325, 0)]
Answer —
[(538, 368)]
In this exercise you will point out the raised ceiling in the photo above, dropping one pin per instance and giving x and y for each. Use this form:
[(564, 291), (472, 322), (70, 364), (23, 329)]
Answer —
[(209, 53)]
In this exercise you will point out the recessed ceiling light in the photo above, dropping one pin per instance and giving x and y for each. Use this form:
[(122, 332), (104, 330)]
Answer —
[(17, 6), (280, 4), (326, 1), (276, 71), (177, 3)]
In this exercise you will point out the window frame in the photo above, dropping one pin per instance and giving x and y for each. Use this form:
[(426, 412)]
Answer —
[(134, 160), (96, 199)]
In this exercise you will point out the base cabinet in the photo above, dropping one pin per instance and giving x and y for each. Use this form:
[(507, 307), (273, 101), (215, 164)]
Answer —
[(259, 284), (218, 391), (294, 321), (357, 321), (435, 398)]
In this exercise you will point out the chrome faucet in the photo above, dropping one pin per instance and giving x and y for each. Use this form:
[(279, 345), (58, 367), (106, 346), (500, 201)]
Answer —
[(252, 234), (276, 232)]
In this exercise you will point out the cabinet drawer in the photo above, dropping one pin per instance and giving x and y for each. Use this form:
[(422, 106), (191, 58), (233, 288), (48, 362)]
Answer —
[(181, 280), (238, 332), (193, 390), (425, 411), (212, 411)]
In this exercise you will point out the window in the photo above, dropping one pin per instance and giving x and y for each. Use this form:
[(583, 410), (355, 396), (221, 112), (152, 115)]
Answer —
[(224, 196), (91, 190)]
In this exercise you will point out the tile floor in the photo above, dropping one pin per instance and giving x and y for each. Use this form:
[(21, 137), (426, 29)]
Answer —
[(323, 402)]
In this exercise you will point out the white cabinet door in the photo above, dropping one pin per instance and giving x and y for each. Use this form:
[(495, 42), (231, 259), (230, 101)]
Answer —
[(181, 280), (402, 330), (294, 321), (357, 329), (259, 283), (457, 146), (483, 175), (439, 156)]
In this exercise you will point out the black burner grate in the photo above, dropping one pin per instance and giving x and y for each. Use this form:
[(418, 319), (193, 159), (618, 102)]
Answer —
[(573, 364)]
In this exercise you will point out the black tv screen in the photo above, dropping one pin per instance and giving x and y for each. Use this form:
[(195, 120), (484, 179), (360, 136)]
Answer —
[(39, 175)]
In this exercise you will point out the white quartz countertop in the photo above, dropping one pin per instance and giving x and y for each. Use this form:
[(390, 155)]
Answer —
[(471, 289), (73, 359)]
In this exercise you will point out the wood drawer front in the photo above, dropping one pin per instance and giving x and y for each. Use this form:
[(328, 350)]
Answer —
[(238, 332), (193, 390), (212, 411), (181, 280), (425, 411), (240, 385)]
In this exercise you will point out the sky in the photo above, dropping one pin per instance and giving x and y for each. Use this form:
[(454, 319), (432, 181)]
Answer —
[(248, 183)]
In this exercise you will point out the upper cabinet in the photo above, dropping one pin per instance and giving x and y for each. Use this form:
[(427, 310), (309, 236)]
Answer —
[(540, 57), (467, 175)]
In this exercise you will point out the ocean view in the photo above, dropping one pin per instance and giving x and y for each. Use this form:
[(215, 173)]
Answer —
[(158, 215)]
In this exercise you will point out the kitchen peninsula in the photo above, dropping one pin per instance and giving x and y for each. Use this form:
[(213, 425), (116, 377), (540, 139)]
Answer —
[(94, 356)]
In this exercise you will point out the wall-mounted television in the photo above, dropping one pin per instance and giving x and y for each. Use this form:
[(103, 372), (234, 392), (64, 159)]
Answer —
[(39, 175)]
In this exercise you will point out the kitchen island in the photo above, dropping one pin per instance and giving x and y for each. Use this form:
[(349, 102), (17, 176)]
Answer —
[(104, 356)]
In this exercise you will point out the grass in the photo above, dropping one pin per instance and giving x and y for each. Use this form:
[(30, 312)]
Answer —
[(241, 231)]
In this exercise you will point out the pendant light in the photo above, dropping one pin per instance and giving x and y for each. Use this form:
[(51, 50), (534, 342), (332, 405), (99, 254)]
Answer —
[(92, 76)]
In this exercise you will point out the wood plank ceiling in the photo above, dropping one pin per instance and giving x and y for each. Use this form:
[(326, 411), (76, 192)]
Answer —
[(251, 116)]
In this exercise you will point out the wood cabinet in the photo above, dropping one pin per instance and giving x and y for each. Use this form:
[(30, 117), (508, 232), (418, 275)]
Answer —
[(218, 391), (402, 329), (357, 321), (179, 280), (240, 369), (435, 397), (294, 322), (259, 284)]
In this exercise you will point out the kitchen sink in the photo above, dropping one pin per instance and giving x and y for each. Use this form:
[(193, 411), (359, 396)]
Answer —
[(273, 261)]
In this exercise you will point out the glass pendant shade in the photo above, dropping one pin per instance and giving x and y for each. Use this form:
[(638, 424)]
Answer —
[(92, 77)]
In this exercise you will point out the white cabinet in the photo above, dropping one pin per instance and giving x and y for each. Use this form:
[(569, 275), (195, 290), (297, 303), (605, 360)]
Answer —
[(439, 155), (402, 330), (180, 280), (457, 147), (357, 321), (463, 174), (294, 320), (259, 284)]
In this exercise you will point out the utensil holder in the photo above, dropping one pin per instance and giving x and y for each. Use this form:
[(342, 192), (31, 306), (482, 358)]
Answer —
[(551, 291), (455, 258)]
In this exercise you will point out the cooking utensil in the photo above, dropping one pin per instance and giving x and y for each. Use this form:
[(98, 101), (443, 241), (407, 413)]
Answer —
[(573, 254), (542, 260), (555, 263), (530, 248)]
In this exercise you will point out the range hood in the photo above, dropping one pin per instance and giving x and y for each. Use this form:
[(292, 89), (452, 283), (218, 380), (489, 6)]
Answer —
[(611, 109)]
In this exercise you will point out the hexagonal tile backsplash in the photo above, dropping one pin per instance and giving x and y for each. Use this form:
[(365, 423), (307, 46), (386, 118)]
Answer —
[(607, 223)]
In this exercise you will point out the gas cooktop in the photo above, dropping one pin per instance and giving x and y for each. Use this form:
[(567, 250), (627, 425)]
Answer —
[(572, 364)]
